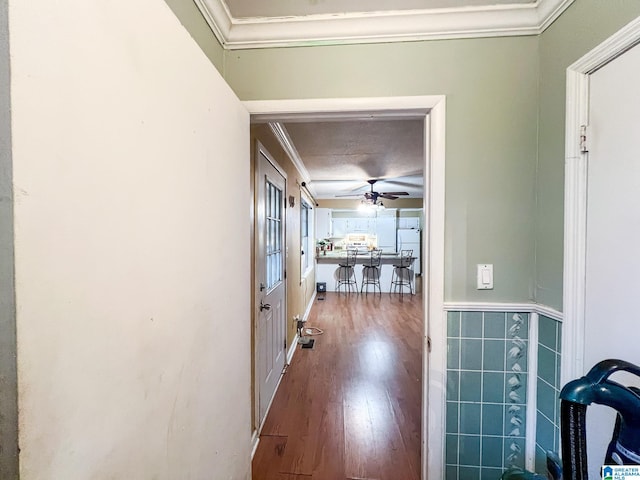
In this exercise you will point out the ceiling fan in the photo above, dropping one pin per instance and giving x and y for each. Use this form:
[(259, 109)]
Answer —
[(373, 196)]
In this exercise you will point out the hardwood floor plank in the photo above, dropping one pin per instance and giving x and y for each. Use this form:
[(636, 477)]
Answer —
[(266, 462), (329, 455), (360, 455), (350, 408)]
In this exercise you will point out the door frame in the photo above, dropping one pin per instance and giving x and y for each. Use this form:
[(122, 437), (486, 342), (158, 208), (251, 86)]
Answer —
[(432, 109), (575, 197), (260, 149)]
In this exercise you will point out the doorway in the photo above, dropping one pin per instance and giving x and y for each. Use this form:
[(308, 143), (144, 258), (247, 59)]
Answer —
[(270, 275), (432, 109), (601, 223)]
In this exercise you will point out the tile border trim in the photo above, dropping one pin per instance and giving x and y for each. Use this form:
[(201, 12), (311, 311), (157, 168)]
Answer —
[(536, 308)]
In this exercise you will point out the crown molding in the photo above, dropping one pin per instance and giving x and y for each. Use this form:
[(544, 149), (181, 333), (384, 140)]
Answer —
[(376, 27), (289, 148)]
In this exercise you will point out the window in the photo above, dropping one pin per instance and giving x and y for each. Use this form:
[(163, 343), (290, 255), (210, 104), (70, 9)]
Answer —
[(306, 237), (273, 235)]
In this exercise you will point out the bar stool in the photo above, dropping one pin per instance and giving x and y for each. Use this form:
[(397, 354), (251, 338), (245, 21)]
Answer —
[(402, 275), (371, 272), (345, 274)]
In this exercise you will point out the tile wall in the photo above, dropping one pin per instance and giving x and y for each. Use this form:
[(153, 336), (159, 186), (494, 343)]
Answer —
[(486, 393), (548, 390)]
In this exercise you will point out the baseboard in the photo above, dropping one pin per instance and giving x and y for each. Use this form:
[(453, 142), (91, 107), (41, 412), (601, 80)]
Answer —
[(305, 316), (292, 349)]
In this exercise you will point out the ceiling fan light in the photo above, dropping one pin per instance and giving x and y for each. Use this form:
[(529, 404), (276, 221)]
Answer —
[(369, 205)]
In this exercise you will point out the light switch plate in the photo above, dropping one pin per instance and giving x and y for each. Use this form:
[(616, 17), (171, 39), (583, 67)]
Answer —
[(485, 276)]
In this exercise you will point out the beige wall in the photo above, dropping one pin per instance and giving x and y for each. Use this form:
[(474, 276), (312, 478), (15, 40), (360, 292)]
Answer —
[(579, 29), (133, 320), (492, 100)]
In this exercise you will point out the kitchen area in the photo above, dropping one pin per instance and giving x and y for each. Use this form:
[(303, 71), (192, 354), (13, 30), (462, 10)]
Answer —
[(390, 229)]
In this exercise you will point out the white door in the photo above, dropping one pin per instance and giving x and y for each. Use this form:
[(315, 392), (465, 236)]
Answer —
[(270, 291), (613, 231)]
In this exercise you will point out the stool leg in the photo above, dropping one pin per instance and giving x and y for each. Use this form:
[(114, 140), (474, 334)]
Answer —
[(355, 279), (365, 280), (376, 280), (393, 286)]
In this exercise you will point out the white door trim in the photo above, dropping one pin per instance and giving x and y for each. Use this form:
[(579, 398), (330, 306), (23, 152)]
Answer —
[(575, 198), (433, 109)]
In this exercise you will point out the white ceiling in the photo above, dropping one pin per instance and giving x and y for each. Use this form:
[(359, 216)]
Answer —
[(337, 157), (296, 8), (240, 24)]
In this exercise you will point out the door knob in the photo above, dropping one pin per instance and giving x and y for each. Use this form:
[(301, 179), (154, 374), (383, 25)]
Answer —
[(264, 306)]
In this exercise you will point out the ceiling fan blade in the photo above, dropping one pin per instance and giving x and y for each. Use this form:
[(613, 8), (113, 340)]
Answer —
[(387, 196), (349, 195), (395, 183), (394, 193)]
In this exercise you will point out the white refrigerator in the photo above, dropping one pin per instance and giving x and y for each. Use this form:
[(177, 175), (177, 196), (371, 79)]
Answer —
[(409, 239)]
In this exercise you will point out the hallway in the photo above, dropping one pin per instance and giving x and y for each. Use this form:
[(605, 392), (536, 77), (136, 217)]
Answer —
[(350, 407)]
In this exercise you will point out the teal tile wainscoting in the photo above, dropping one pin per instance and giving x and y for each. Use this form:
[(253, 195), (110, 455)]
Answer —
[(548, 390), (486, 393)]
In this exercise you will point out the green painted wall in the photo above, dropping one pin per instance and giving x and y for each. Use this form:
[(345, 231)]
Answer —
[(583, 26), (505, 129), (8, 340), (197, 26), (492, 100)]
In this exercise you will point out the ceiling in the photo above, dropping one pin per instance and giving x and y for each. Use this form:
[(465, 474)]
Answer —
[(337, 157), (296, 8), (241, 24)]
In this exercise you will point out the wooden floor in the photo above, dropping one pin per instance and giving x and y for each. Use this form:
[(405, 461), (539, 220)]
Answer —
[(350, 408)]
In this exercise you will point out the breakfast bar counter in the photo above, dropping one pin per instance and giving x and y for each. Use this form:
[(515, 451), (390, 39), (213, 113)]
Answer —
[(327, 266), (336, 256)]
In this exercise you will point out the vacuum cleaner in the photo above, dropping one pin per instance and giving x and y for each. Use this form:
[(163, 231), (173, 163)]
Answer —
[(575, 397), (596, 387)]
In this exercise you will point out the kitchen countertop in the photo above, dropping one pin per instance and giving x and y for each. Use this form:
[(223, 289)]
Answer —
[(335, 256)]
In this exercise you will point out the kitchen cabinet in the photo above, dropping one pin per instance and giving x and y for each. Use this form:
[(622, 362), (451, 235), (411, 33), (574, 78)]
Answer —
[(409, 222), (386, 233), (340, 227), (323, 223), (361, 225), (343, 226)]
